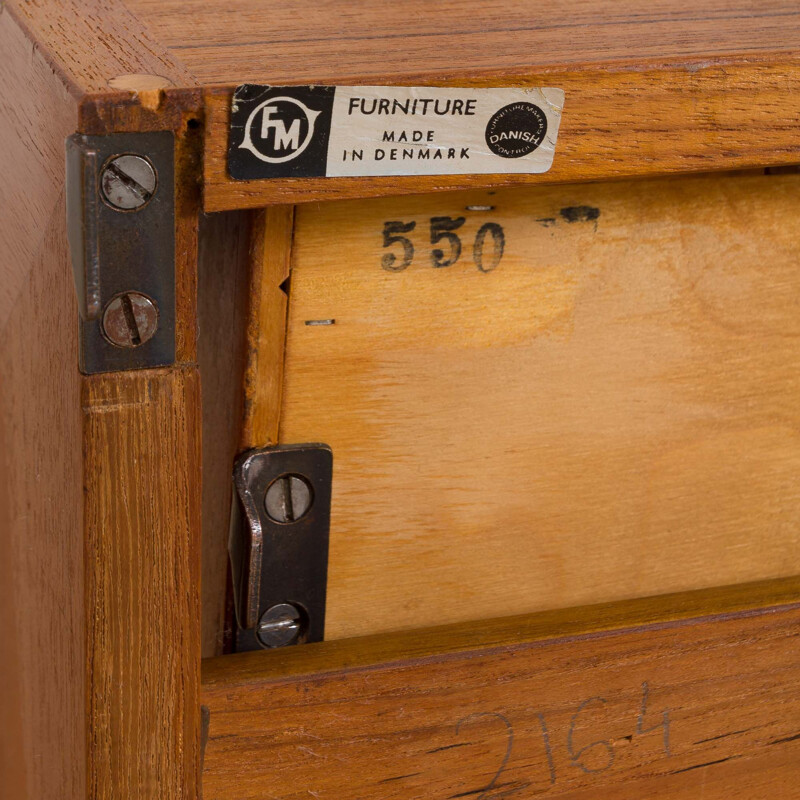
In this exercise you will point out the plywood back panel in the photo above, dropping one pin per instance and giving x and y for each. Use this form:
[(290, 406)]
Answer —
[(611, 412)]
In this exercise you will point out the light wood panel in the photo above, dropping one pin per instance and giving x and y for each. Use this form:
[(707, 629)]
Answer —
[(42, 652), (266, 326), (142, 477), (609, 413), (625, 701), (620, 120)]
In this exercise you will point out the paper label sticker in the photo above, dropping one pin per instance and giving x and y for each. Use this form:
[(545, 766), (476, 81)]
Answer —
[(335, 131)]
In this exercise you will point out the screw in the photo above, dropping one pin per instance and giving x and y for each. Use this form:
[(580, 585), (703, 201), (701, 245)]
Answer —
[(128, 182), (130, 319), (280, 625), (288, 498)]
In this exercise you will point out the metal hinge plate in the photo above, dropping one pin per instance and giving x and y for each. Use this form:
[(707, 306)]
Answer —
[(279, 545), (121, 229)]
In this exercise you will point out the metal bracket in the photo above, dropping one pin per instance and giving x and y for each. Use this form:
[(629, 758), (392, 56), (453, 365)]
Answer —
[(121, 230), (279, 544)]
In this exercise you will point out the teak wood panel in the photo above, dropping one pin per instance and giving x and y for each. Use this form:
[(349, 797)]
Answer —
[(89, 43), (142, 477), (42, 700), (652, 87), (627, 701), (142, 522), (619, 120), (609, 413), (387, 42), (99, 672), (223, 285)]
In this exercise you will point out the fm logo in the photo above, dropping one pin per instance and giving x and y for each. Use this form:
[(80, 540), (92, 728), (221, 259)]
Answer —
[(279, 129)]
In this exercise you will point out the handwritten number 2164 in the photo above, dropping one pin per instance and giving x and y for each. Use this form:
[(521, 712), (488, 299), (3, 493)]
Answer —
[(578, 757), (442, 233)]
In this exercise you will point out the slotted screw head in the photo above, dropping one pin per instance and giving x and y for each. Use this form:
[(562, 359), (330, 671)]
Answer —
[(128, 182), (288, 498), (280, 625), (130, 320)]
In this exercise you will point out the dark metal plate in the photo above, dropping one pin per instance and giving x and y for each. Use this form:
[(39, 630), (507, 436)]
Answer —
[(283, 558), (116, 251)]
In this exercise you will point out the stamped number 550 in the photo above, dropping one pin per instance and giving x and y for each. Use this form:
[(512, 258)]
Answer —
[(442, 230)]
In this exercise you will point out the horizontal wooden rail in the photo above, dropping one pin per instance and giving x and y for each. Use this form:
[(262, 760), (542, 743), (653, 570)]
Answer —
[(658, 696), (620, 120)]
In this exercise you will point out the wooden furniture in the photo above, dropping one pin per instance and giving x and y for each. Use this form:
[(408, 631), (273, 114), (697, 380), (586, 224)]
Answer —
[(564, 517)]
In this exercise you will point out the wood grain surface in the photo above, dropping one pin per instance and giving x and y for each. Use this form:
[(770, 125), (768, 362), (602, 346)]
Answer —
[(142, 507), (207, 42), (143, 496), (386, 42), (609, 413), (42, 649), (102, 676), (223, 286), (620, 120), (659, 703), (266, 326), (676, 88), (651, 87), (89, 43)]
